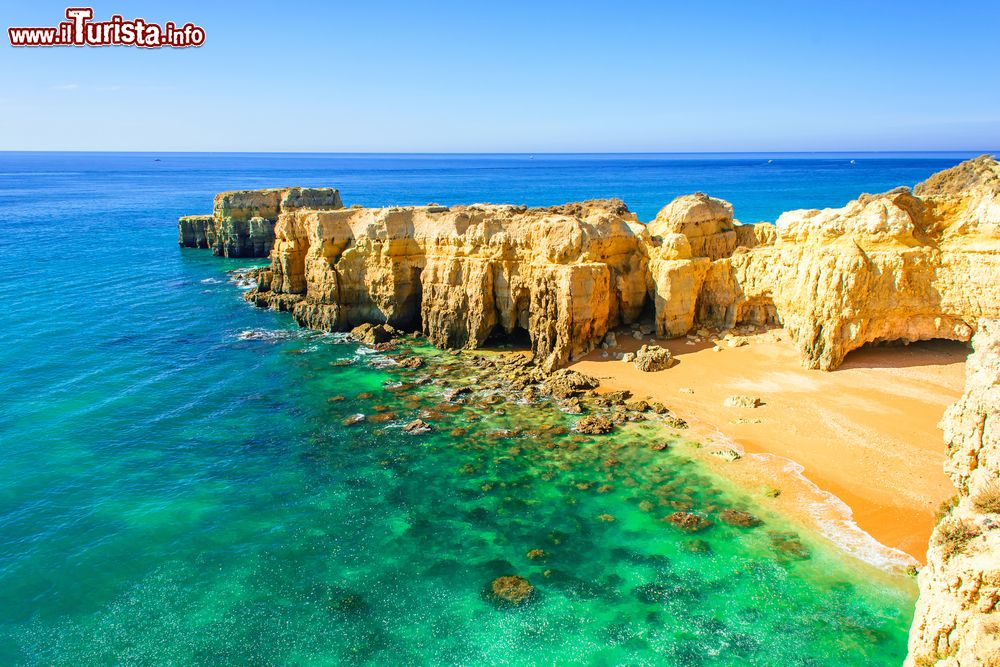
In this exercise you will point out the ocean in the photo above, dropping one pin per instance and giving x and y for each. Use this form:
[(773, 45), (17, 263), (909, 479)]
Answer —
[(177, 485)]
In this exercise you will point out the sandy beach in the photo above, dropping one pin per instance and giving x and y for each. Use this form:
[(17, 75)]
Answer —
[(867, 432)]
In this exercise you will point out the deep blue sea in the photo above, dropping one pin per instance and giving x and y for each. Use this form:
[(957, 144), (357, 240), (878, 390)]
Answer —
[(177, 487)]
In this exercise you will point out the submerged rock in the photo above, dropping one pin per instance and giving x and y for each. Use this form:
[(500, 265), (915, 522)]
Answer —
[(595, 425), (353, 419), (698, 546), (789, 546), (688, 521), (511, 590), (739, 518)]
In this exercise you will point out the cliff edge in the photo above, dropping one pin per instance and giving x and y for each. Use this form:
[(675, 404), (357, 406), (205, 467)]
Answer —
[(957, 621)]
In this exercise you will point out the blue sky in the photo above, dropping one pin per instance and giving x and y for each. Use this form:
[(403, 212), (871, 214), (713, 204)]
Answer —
[(372, 75)]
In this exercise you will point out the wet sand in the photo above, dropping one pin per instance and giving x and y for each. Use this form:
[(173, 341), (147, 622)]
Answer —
[(866, 433)]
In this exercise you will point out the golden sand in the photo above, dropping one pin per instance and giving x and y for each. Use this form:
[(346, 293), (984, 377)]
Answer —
[(866, 433)]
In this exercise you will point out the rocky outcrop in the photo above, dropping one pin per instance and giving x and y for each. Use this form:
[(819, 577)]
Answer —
[(242, 224), (895, 267), (957, 621), (899, 266), (564, 275)]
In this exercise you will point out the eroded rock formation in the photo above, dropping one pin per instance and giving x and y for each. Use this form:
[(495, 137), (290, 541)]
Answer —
[(242, 223), (957, 621), (899, 266), (565, 275)]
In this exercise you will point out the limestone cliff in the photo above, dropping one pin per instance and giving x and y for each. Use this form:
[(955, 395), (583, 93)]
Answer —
[(564, 275), (242, 223), (899, 266), (957, 621)]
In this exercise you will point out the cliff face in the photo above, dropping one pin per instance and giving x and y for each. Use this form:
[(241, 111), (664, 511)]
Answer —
[(957, 621), (563, 275), (242, 223), (899, 266)]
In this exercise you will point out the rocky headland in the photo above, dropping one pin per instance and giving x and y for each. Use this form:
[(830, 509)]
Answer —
[(957, 620), (242, 221), (900, 266)]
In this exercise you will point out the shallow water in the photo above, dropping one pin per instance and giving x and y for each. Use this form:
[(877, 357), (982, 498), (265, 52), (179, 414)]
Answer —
[(177, 487)]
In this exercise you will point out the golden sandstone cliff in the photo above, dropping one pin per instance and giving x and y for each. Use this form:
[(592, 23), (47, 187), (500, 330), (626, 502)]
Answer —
[(957, 621), (899, 266)]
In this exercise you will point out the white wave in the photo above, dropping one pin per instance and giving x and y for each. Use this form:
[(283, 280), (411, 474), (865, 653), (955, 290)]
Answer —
[(270, 335), (836, 523)]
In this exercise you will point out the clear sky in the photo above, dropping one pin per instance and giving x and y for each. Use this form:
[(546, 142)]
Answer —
[(513, 76)]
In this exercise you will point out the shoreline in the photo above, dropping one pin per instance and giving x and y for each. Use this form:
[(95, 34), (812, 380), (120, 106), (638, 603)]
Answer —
[(865, 434)]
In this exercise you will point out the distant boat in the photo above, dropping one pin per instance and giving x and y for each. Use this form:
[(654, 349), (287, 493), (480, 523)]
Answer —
[(157, 160), (770, 161), (854, 161)]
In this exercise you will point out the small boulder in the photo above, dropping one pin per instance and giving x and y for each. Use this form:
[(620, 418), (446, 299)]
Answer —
[(411, 363), (742, 402), (353, 419), (373, 334), (571, 406), (417, 426), (565, 383), (455, 392), (652, 358)]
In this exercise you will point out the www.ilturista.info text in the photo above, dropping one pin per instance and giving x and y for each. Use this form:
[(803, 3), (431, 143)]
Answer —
[(81, 30)]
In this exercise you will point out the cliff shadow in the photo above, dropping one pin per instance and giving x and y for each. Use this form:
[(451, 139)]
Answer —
[(899, 354), (518, 339)]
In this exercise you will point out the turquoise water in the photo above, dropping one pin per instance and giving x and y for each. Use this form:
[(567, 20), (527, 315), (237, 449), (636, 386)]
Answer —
[(177, 487)]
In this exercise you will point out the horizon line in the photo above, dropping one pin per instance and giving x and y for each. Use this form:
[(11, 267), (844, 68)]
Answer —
[(979, 151)]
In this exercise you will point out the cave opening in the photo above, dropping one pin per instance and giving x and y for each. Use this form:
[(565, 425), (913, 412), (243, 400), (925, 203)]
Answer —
[(516, 339), (901, 353)]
